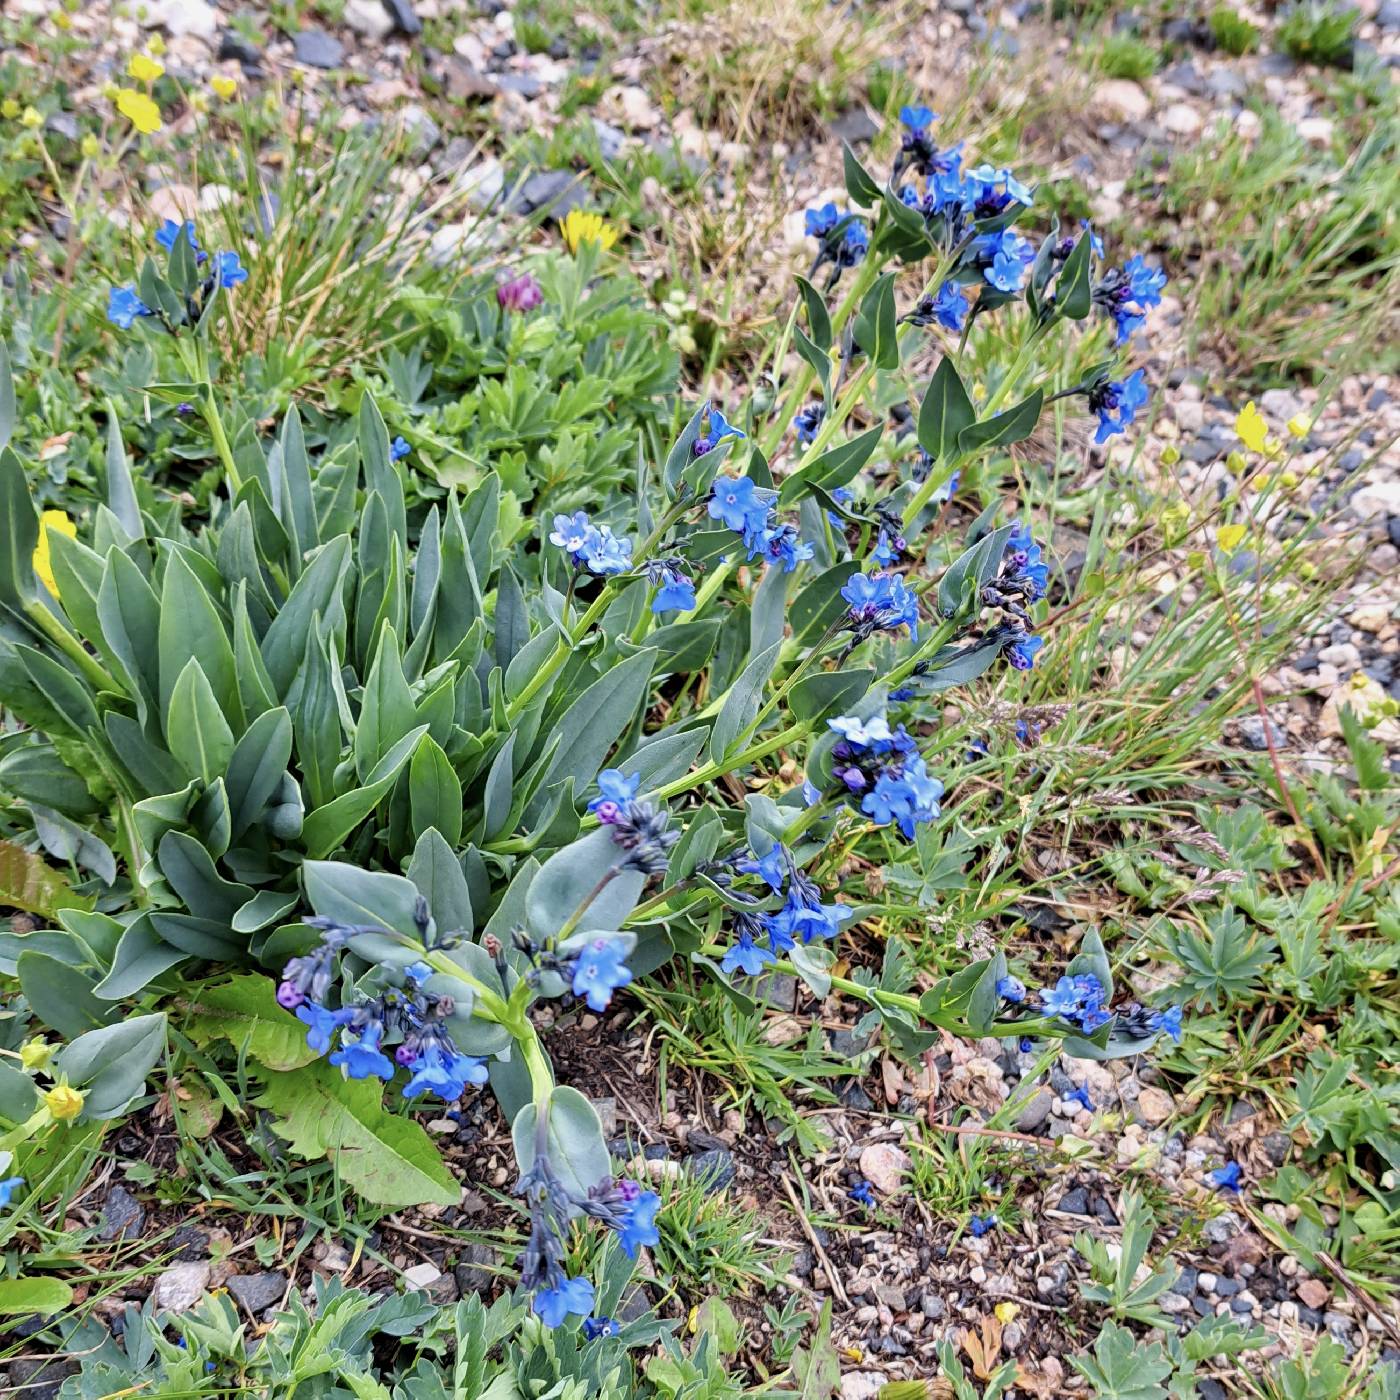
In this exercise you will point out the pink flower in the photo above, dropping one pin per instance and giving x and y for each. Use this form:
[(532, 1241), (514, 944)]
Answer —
[(519, 293)]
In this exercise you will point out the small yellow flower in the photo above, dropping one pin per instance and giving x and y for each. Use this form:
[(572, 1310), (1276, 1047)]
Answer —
[(1289, 479), (64, 1102), (1229, 537), (1298, 425), (1170, 455), (1262, 480), (223, 86), (586, 227), (144, 69), (198, 102), (9, 109), (1236, 462), (91, 147), (62, 20), (1307, 569), (32, 117), (36, 1053), (43, 560), (1007, 1313), (156, 45), (1251, 427), (139, 110)]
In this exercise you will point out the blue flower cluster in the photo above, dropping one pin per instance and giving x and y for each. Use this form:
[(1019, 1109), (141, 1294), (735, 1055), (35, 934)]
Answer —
[(879, 603), (224, 269), (399, 449), (844, 237), (948, 308), (1078, 1000), (592, 549), (413, 1016), (1117, 401), (806, 423), (748, 510), (1128, 293), (883, 767), (803, 917), (717, 428), (636, 825)]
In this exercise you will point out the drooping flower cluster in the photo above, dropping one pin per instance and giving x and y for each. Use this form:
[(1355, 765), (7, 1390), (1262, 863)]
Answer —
[(1081, 1001), (879, 603), (592, 549), (1128, 293), (222, 269), (619, 1203), (1022, 581), (884, 769), (844, 239), (637, 825), (948, 308), (410, 1015), (1078, 1000), (1117, 401), (717, 428), (803, 917), (749, 511)]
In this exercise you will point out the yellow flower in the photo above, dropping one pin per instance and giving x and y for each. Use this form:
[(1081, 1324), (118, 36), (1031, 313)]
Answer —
[(36, 1053), (9, 109), (1236, 462), (1007, 1313), (1170, 455), (1251, 427), (198, 102), (1298, 425), (1228, 537), (223, 87), (144, 69), (139, 110), (64, 1102), (91, 147), (43, 560), (31, 118), (63, 21), (1289, 479), (580, 227), (156, 45)]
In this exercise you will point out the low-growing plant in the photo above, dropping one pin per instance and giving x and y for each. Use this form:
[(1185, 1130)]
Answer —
[(1127, 56), (1232, 31), (1318, 31), (426, 758)]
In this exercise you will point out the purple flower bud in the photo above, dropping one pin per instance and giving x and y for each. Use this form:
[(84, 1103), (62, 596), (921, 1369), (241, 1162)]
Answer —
[(519, 293), (288, 997)]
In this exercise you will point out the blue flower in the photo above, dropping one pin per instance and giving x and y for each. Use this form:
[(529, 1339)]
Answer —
[(1024, 563), (745, 956), (1095, 242), (779, 545), (599, 971), (169, 231), (799, 920), (439, 1072), (862, 1194), (398, 450), (990, 190), (124, 306), (639, 1228), (573, 1297), (885, 552), (8, 1187), (917, 119), (873, 733), (1081, 1097), (1025, 1045), (906, 795), (606, 553), (362, 1058), (719, 428), (1167, 1022), (1011, 989), (854, 243), (880, 602), (805, 423), (950, 306), (228, 271), (1063, 999), (1226, 1178), (595, 1327), (980, 1224), (1117, 403), (771, 867), (1021, 650), (1146, 283), (819, 222), (322, 1024), (676, 593), (732, 501), (616, 787), (418, 973)]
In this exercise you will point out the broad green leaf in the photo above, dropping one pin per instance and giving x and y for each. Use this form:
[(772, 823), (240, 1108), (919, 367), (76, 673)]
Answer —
[(944, 413), (1015, 425), (434, 792), (61, 996), (372, 898), (833, 468), (121, 493), (195, 728), (328, 826), (256, 767), (35, 1295), (191, 873), (1074, 284), (19, 532), (860, 184), (386, 706), (244, 1012), (741, 704), (317, 593), (386, 1159), (825, 693), (111, 1064), (576, 1148), (572, 879), (191, 629), (142, 955), (875, 328), (438, 876)]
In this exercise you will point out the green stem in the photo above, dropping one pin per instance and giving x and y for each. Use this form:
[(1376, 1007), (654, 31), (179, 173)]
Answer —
[(572, 922), (70, 646), (717, 770), (210, 412)]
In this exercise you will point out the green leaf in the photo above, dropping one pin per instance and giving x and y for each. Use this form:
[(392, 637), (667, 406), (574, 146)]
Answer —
[(111, 1064), (59, 995), (741, 704), (28, 882), (972, 568), (570, 876), (121, 493), (317, 592), (191, 629), (860, 184), (244, 1012), (1015, 425), (381, 475), (833, 468), (875, 328), (189, 869), (195, 728), (328, 826), (439, 878), (434, 792), (387, 1160), (577, 1151), (19, 533), (7, 399), (500, 784), (386, 707), (257, 766), (818, 318), (945, 412), (35, 1295), (142, 955), (128, 613), (1074, 285), (1123, 1368), (826, 693), (680, 456)]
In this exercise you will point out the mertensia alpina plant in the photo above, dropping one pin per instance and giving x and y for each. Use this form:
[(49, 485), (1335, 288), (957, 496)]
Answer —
[(430, 765)]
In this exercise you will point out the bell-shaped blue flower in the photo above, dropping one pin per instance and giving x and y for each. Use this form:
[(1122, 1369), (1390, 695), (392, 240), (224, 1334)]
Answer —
[(573, 1297)]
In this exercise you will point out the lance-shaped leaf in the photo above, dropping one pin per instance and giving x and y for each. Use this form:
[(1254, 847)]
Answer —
[(945, 412)]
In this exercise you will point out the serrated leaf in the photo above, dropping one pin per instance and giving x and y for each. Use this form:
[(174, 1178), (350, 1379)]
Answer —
[(244, 1012), (388, 1160)]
